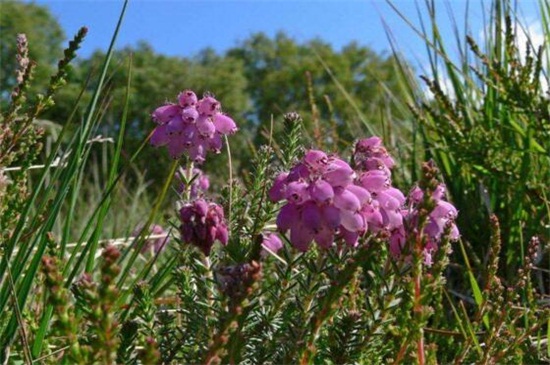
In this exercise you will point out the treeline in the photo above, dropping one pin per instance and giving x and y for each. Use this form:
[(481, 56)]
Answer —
[(259, 78)]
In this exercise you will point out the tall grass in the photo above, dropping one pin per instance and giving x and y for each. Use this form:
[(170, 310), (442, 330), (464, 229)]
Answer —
[(54, 217), (484, 120)]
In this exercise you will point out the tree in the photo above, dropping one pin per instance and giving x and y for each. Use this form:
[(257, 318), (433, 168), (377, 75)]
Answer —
[(278, 69)]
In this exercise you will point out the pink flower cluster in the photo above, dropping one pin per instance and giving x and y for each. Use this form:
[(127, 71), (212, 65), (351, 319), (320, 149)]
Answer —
[(202, 223), (441, 217), (322, 201), (374, 164), (326, 200), (191, 126)]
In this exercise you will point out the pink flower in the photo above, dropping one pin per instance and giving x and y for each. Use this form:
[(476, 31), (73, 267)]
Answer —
[(191, 126), (202, 223), (271, 242), (442, 216), (155, 243)]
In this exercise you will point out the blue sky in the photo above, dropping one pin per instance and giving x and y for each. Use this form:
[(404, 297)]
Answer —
[(182, 27)]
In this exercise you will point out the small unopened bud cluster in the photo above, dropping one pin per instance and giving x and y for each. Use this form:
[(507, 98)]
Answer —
[(198, 183), (202, 223), (236, 281), (22, 57), (191, 126)]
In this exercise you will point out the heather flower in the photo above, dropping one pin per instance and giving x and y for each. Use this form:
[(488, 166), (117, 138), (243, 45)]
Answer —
[(442, 216), (202, 223), (271, 242), (199, 183), (157, 238), (322, 203), (370, 154), (374, 164), (191, 126)]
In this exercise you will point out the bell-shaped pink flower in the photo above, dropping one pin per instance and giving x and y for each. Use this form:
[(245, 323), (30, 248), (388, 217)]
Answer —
[(272, 242), (187, 98), (164, 114)]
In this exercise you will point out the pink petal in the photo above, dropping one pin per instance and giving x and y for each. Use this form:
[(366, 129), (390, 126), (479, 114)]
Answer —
[(373, 217), (397, 242), (367, 144), (345, 199), (296, 192), (215, 143), (272, 242), (331, 216), (176, 125), (197, 153), (396, 194), (351, 238), (208, 106), (416, 195), (316, 160), (224, 124), (362, 194), (159, 136), (324, 238), (201, 207), (391, 218), (189, 114), (165, 113), (321, 191), (444, 209), (387, 201), (301, 237), (222, 234), (176, 148), (187, 98), (352, 221), (339, 174), (311, 216), (288, 215), (374, 181), (299, 171), (276, 192), (439, 192), (205, 127)]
